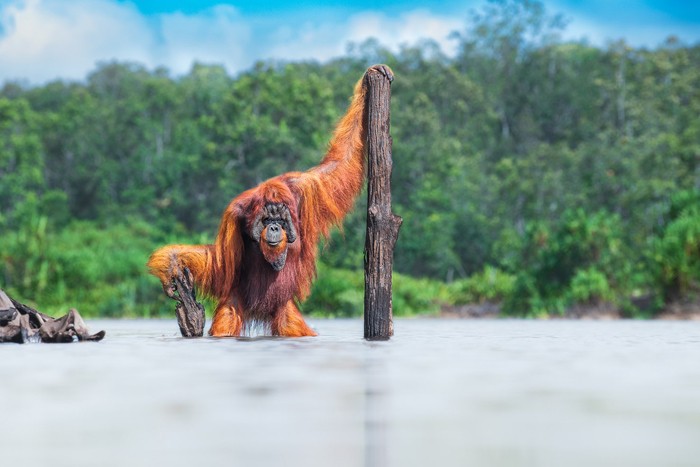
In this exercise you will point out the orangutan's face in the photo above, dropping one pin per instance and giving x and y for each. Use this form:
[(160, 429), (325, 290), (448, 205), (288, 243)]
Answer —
[(274, 231)]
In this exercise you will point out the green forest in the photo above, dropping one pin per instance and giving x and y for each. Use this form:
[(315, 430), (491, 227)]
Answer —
[(539, 175)]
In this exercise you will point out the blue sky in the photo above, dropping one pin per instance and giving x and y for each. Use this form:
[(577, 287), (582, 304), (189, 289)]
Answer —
[(42, 40)]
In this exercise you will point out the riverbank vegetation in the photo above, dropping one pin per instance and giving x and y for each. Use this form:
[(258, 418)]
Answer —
[(532, 172)]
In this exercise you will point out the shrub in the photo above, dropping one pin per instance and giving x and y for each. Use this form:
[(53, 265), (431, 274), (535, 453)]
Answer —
[(676, 251), (580, 250), (340, 293), (413, 296), (490, 285), (99, 270), (589, 286)]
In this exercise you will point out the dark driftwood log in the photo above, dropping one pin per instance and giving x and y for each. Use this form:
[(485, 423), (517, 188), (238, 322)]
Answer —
[(382, 224), (21, 324), (190, 313)]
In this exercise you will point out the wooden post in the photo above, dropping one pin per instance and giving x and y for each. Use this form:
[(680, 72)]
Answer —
[(382, 224)]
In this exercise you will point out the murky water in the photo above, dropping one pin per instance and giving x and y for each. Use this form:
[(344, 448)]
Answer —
[(441, 393)]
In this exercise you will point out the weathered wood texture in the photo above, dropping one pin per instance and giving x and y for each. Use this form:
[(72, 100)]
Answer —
[(190, 313), (20, 323), (382, 224)]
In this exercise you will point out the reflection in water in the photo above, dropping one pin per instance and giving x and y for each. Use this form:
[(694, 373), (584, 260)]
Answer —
[(376, 417)]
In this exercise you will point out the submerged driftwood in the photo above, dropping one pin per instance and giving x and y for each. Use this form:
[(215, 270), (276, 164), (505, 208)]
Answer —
[(22, 324)]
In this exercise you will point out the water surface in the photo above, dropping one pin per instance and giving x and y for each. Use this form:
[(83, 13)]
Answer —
[(440, 393)]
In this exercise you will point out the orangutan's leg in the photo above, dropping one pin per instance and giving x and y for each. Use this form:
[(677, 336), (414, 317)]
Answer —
[(226, 322), (289, 322)]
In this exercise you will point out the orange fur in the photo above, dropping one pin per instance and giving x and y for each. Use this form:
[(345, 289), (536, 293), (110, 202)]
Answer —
[(235, 268), (290, 323), (226, 322)]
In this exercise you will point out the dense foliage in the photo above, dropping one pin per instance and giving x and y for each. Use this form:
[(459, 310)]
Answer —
[(528, 170)]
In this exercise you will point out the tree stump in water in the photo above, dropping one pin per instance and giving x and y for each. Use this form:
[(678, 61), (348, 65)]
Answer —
[(382, 224)]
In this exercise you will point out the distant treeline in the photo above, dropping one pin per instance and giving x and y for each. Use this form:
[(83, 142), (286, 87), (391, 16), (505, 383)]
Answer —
[(529, 171)]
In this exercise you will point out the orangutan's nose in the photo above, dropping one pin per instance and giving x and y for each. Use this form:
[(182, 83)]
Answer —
[(274, 234)]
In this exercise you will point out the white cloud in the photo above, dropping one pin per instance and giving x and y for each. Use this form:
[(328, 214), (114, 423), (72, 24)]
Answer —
[(48, 39), (216, 35), (601, 21), (405, 29), (45, 39), (318, 40), (328, 39), (42, 40)]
